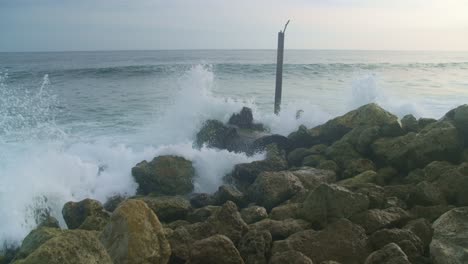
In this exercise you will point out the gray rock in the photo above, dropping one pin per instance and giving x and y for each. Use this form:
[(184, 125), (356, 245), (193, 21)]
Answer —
[(389, 254)]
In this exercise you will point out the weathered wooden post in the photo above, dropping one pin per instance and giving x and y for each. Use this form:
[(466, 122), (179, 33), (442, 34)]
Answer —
[(279, 69)]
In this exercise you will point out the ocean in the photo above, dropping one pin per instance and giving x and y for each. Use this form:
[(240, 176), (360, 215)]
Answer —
[(72, 124)]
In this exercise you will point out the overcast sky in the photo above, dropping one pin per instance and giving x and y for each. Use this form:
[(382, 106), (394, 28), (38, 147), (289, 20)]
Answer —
[(55, 25)]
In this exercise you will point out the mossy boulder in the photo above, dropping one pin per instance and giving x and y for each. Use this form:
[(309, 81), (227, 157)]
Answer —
[(135, 235), (312, 177), (409, 123), (389, 254), (69, 247), (168, 208), (327, 203), (367, 115), (280, 229), (165, 175), (369, 176), (375, 219), (438, 141), (213, 250), (215, 134), (35, 239), (75, 213), (255, 247), (253, 213)]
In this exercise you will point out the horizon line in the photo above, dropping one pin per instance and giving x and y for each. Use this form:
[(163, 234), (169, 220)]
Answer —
[(232, 49)]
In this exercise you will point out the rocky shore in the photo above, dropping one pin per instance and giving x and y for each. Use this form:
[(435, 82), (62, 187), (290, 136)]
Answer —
[(364, 187)]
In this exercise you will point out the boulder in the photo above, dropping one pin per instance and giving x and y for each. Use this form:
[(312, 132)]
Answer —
[(329, 202), (215, 134), (328, 165), (113, 202), (285, 211), (424, 122), (75, 213), (409, 123), (438, 141), (290, 256), (342, 152), (168, 208), (422, 228), (357, 166), (244, 119), (362, 178), (311, 178), (410, 243), (367, 115), (213, 250), (253, 214), (375, 219), (202, 214), (312, 160), (450, 241), (280, 229), (296, 156), (459, 116), (69, 247), (229, 193), (198, 200), (35, 239), (453, 185), (430, 213), (228, 221), (374, 193), (260, 144), (341, 241), (272, 188), (95, 223), (165, 175), (389, 254), (245, 174), (135, 235), (426, 194), (255, 246)]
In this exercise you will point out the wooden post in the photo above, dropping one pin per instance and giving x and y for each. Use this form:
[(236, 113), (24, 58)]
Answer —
[(279, 69)]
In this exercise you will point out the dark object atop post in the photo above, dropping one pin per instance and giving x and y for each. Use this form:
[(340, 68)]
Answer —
[(279, 69)]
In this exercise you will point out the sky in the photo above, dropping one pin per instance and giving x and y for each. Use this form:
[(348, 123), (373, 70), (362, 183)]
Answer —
[(70, 25)]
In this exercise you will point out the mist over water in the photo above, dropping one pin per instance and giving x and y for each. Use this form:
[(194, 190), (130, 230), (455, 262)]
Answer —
[(72, 125)]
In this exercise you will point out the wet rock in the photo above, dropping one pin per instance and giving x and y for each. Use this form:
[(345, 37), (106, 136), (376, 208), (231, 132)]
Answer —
[(260, 144), (94, 223), (296, 156), (329, 202), (280, 229), (202, 214), (342, 152), (290, 256), (438, 141), (356, 167), (35, 239), (389, 254), (375, 219), (230, 193), (426, 194), (409, 123), (135, 235), (422, 228), (253, 214), (198, 200), (365, 177), (453, 185), (213, 250), (244, 119), (165, 175), (255, 246), (459, 116), (113, 202), (450, 242), (75, 213), (367, 115), (272, 188), (215, 134), (410, 243), (431, 213), (424, 122), (69, 247), (286, 211), (245, 173), (228, 221), (49, 221), (168, 208), (374, 193), (341, 241), (312, 160), (311, 178)]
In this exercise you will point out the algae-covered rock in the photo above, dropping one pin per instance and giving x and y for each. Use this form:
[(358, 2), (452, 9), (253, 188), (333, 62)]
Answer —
[(329, 202), (243, 119), (341, 241), (367, 115), (69, 247), (357, 166), (450, 241), (255, 246), (375, 219), (438, 141), (35, 239), (75, 213), (312, 177), (453, 185), (296, 156), (389, 254), (409, 123), (290, 256), (215, 134), (410, 243), (202, 214), (213, 250), (422, 228), (253, 214), (168, 208), (280, 229), (228, 192), (135, 235), (273, 188), (166, 175), (286, 211), (365, 177), (459, 116)]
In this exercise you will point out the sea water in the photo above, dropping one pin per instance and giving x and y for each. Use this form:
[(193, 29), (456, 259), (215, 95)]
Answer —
[(72, 124)]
